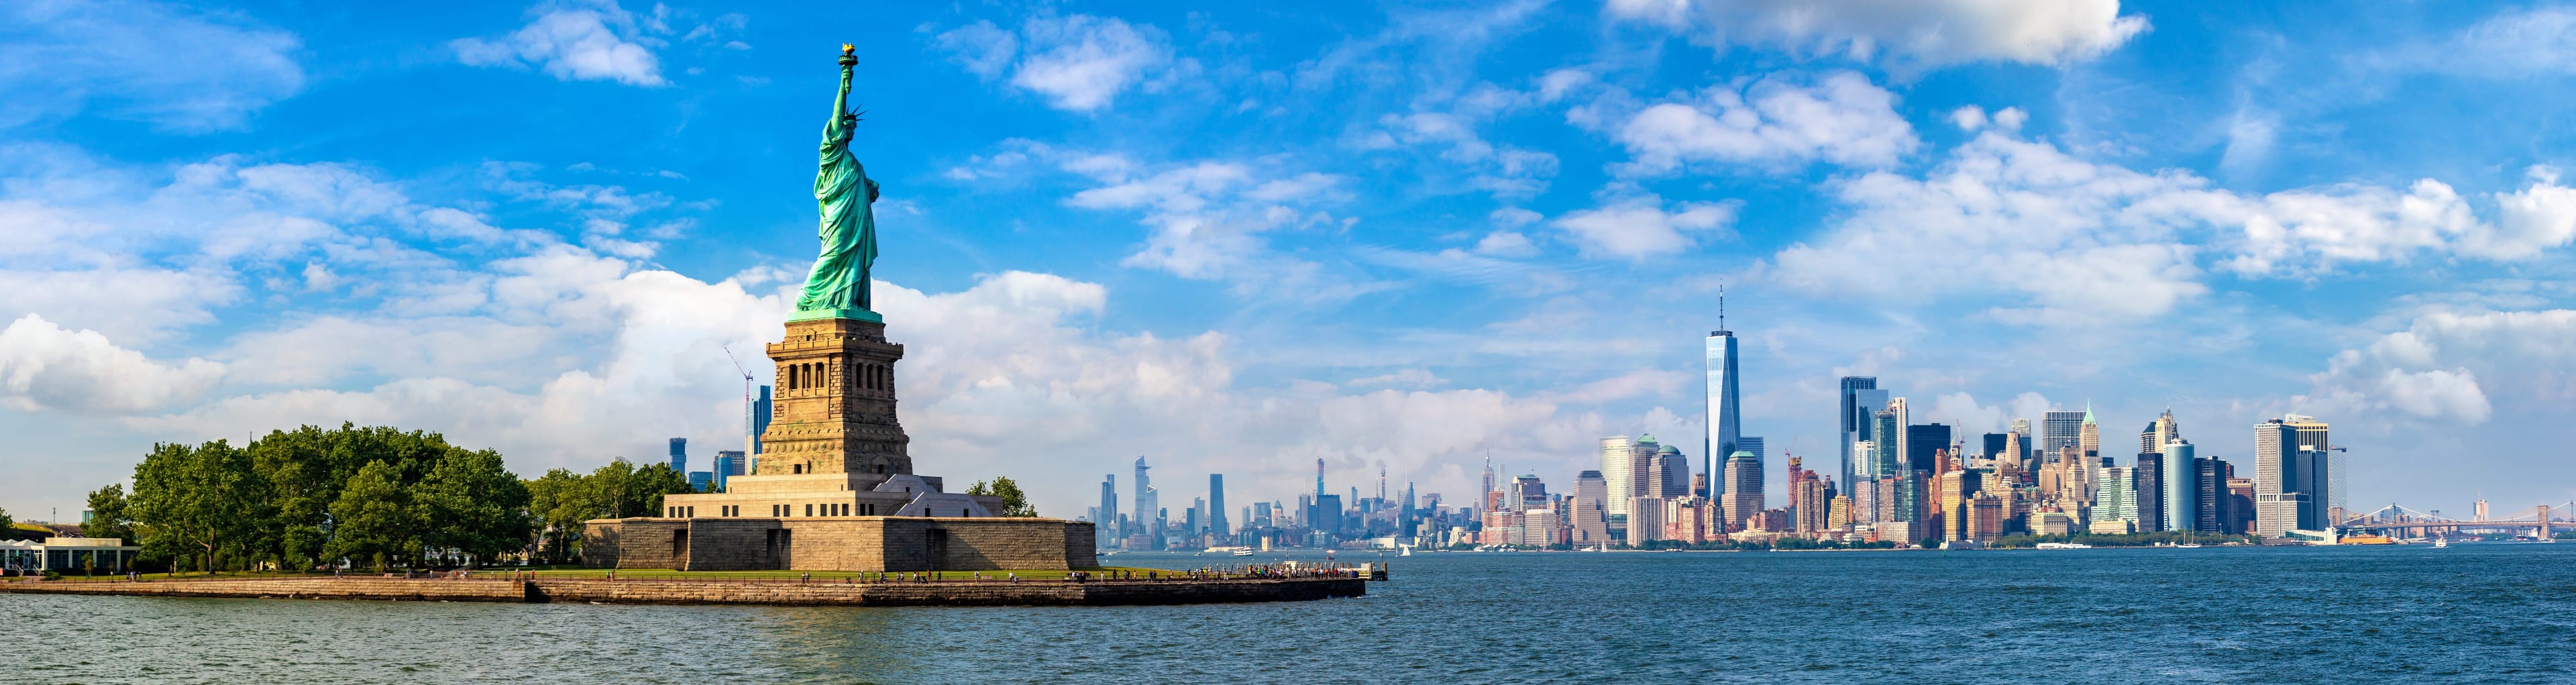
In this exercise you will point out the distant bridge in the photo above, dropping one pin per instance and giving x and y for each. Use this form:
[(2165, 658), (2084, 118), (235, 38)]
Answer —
[(2402, 522)]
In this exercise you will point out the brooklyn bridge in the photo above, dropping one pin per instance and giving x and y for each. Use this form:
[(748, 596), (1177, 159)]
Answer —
[(2402, 522)]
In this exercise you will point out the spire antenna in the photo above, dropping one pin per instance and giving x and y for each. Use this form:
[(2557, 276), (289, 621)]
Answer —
[(1721, 306)]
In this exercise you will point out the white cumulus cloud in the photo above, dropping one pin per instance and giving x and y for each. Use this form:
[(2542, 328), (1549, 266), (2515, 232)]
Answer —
[(1841, 118), (46, 367), (2454, 367), (1904, 32), (2075, 241), (1638, 227), (574, 41), (1077, 62)]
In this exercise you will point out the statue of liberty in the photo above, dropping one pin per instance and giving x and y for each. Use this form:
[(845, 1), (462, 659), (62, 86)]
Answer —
[(849, 229)]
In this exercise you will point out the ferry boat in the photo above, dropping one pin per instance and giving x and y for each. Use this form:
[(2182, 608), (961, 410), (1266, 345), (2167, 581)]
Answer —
[(1243, 552), (2441, 542), (2063, 545)]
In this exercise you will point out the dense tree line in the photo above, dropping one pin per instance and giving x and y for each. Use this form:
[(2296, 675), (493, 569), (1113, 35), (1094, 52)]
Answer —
[(375, 496)]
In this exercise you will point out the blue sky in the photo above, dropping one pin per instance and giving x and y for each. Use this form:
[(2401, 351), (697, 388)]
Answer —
[(1238, 240)]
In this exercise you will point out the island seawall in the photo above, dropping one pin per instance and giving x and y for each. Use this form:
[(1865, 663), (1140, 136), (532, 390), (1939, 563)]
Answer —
[(762, 592)]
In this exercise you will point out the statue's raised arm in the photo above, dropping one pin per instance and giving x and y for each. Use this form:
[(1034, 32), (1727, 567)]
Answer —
[(836, 130)]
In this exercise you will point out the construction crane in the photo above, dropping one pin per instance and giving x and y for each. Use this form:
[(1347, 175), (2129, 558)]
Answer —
[(747, 419)]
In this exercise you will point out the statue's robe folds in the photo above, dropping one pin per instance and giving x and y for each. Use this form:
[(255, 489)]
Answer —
[(849, 228)]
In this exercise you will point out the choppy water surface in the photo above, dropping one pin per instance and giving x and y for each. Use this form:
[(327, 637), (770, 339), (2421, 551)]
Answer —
[(2477, 613)]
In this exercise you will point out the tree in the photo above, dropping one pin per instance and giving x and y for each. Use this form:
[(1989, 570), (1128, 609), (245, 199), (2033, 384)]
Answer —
[(375, 518), (6, 521), (655, 480), (560, 501), (199, 503), (109, 514), (474, 505), (1014, 502), (634, 491)]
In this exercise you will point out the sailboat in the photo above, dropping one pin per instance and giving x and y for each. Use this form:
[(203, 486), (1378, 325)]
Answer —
[(1406, 551)]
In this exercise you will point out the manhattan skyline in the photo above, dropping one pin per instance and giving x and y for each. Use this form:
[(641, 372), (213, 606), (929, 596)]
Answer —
[(1389, 238)]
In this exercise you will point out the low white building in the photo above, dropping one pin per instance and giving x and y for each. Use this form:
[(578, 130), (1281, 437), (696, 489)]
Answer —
[(68, 555)]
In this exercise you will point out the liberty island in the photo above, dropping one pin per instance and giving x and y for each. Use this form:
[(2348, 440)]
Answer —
[(836, 493), (837, 490)]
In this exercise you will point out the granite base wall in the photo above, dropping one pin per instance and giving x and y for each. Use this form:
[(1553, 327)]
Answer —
[(378, 589), (859, 543), (1051, 593), (1033, 593)]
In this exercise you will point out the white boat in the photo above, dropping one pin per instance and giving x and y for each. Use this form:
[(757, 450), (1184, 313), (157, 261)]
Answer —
[(2441, 542), (2063, 545), (2189, 546), (1408, 551), (1243, 552)]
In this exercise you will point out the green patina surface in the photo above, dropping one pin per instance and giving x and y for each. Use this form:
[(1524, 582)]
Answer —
[(843, 193), (815, 314)]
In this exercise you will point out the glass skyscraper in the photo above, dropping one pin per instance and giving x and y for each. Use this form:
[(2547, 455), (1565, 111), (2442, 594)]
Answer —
[(1722, 410), (1108, 521), (2181, 489), (728, 465), (758, 421), (2119, 496), (1861, 401), (2059, 429), (1920, 444), (1147, 505), (1216, 505), (1887, 457)]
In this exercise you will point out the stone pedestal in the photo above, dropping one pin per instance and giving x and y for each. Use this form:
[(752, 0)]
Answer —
[(834, 404), (834, 488)]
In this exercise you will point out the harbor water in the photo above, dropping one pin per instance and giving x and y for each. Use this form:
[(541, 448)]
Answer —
[(2469, 613)]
